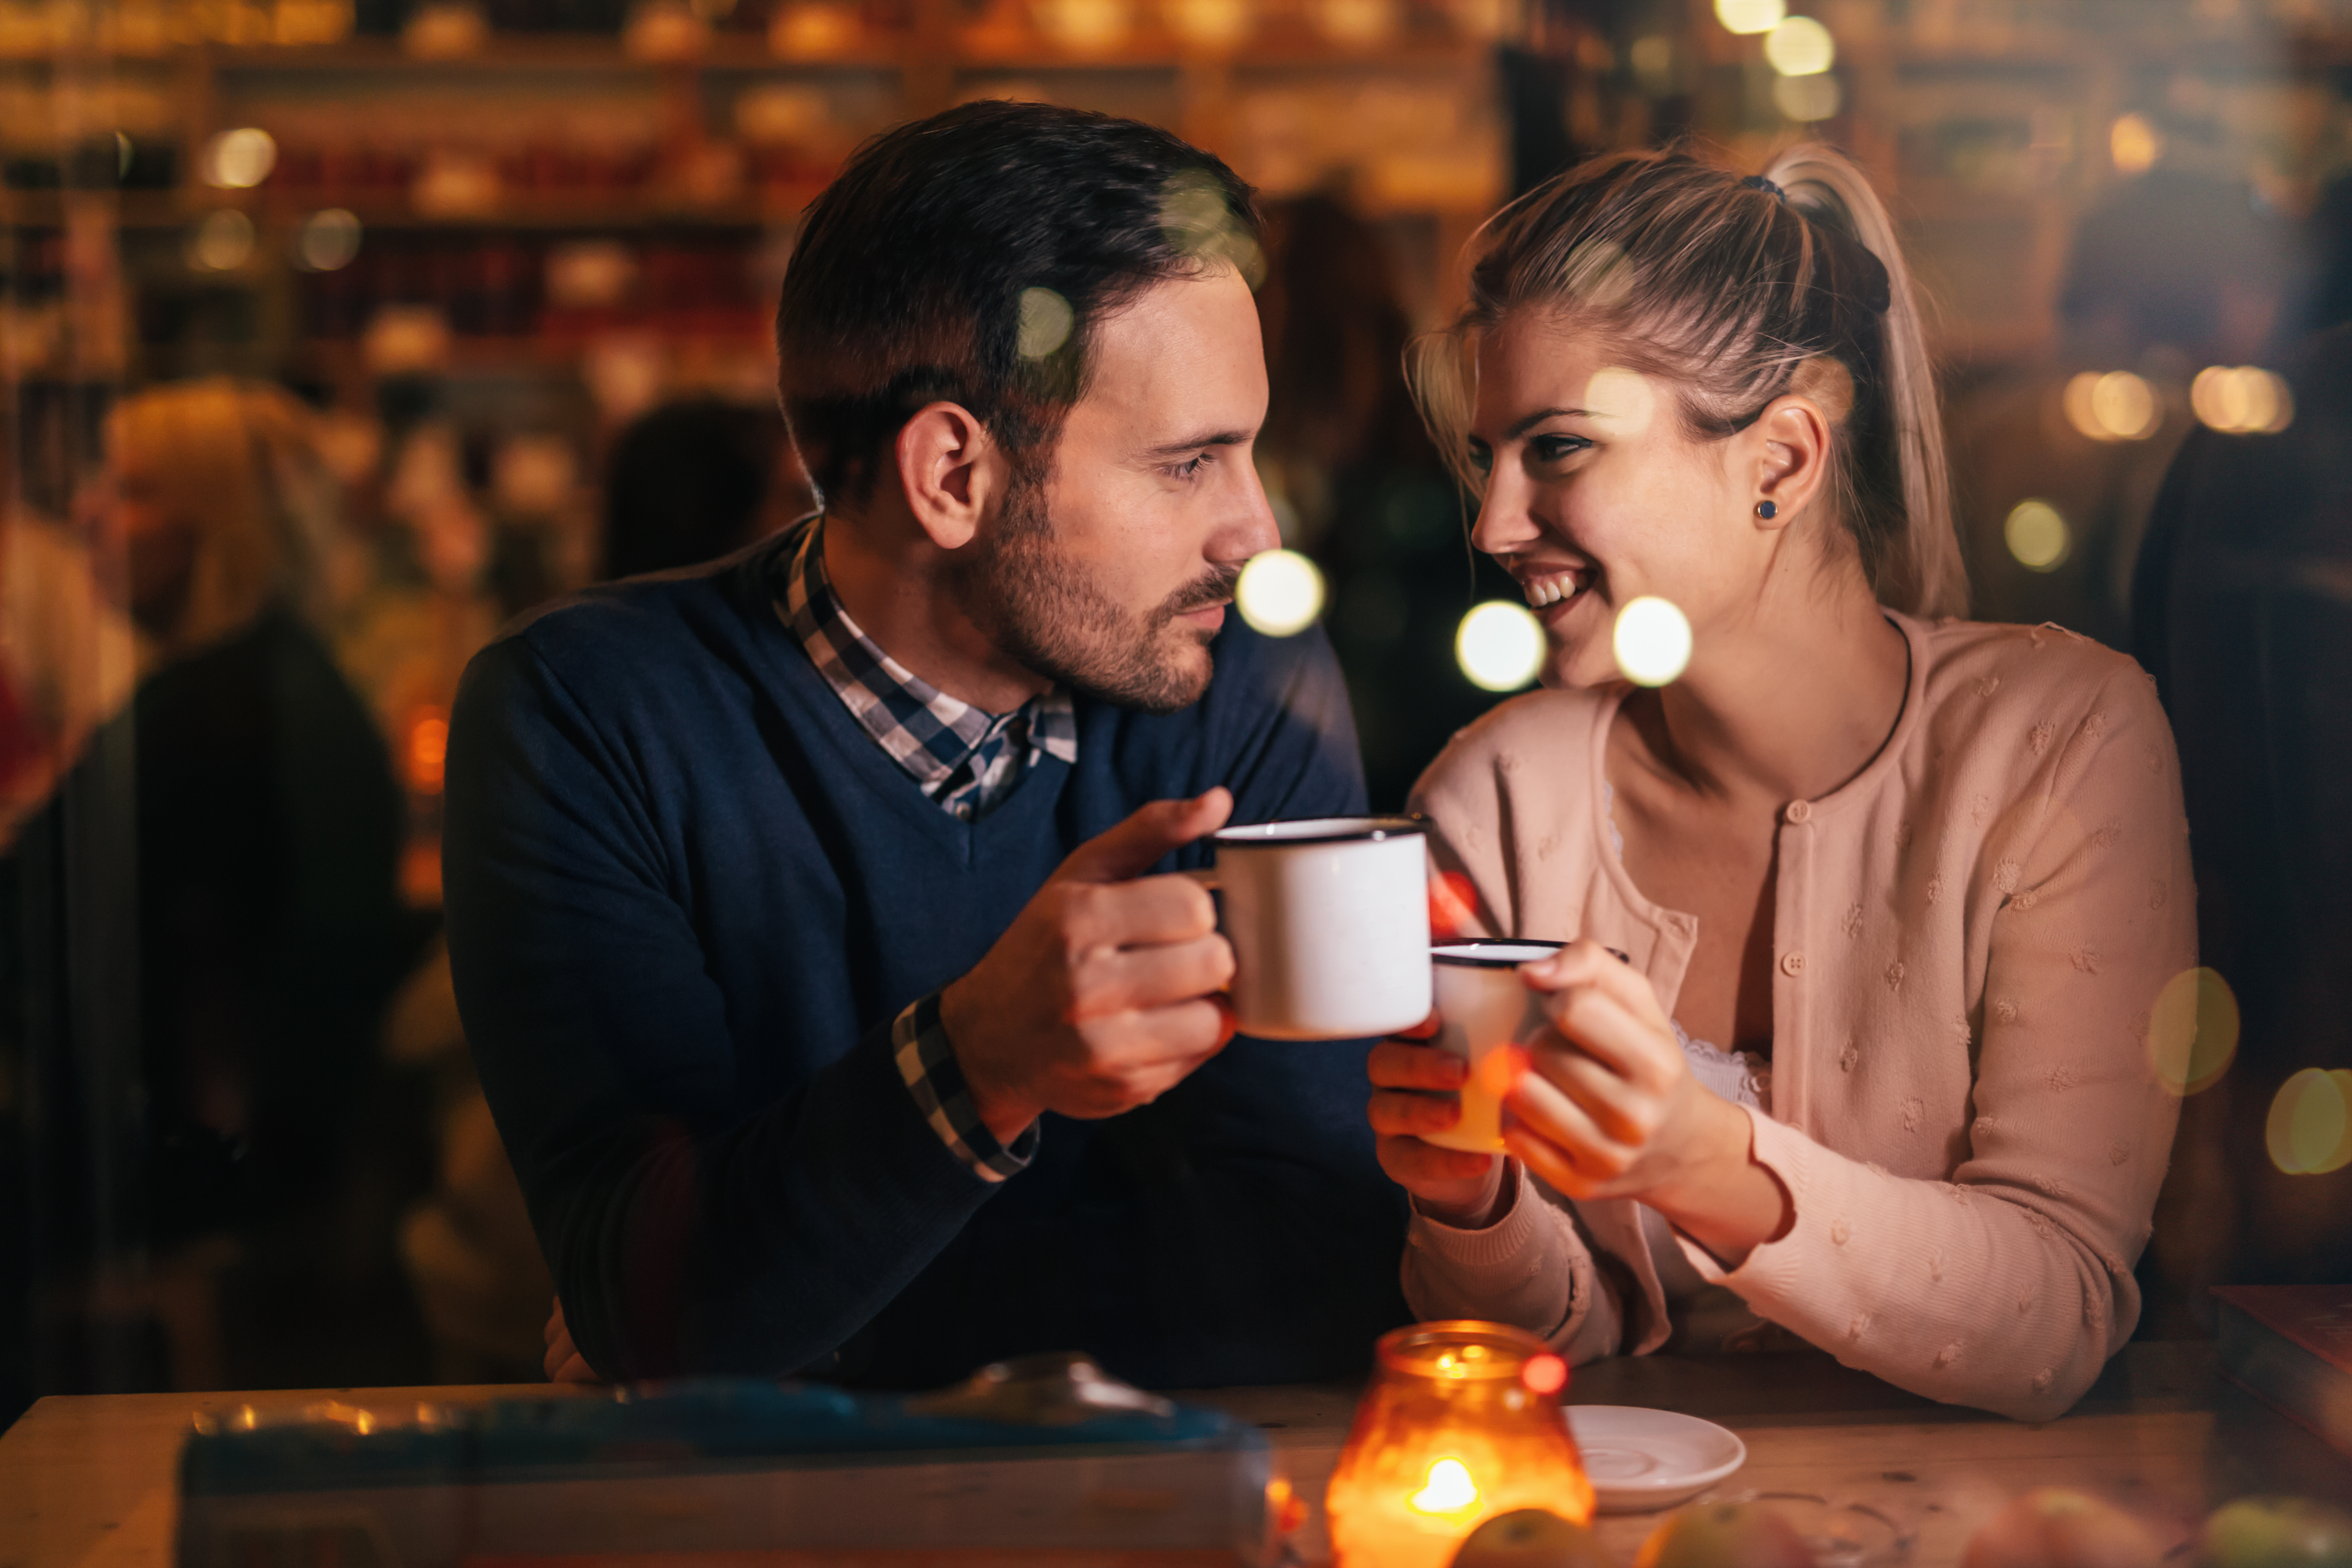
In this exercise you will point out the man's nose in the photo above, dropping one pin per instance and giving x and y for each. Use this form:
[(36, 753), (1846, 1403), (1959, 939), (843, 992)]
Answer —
[(1253, 531)]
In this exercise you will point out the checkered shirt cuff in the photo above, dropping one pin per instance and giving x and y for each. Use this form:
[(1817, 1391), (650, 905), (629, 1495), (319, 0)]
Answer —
[(932, 1075)]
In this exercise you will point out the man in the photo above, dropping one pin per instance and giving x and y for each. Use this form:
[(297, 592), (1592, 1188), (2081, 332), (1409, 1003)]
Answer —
[(800, 906)]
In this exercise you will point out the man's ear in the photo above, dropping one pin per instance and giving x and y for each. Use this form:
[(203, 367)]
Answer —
[(952, 472), (1792, 456)]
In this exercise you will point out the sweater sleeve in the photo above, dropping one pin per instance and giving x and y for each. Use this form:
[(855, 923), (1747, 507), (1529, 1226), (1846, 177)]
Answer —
[(1531, 1269), (2009, 1286), (750, 1241)]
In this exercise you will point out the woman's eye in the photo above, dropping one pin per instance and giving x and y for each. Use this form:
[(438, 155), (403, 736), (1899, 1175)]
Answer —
[(1482, 459), (1552, 449)]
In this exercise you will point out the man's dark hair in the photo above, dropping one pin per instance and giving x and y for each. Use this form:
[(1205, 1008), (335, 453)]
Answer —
[(970, 258)]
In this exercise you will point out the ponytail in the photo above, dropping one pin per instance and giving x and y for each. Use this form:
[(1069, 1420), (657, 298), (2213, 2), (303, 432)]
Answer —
[(1920, 567)]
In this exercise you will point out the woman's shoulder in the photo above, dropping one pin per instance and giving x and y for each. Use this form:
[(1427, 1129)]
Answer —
[(2008, 669), (2028, 698), (1547, 733)]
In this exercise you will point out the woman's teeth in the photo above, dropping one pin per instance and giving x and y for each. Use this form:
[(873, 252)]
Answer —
[(1544, 592)]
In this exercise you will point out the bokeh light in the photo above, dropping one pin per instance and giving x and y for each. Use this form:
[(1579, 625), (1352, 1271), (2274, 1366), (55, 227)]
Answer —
[(2037, 536), (1499, 646), (2310, 1127), (1360, 24), (1209, 23), (1084, 27), (238, 160), (2114, 406), (2133, 144), (1652, 641), (328, 240), (1280, 593), (2241, 400), (1751, 16), (1805, 99), (1045, 321), (2192, 1031), (1799, 46), (221, 242)]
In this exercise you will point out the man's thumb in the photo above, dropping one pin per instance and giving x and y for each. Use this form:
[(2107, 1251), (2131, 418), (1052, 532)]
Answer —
[(1135, 846)]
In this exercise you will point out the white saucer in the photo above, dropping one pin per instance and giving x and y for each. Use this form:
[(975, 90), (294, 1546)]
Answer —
[(1641, 1460)]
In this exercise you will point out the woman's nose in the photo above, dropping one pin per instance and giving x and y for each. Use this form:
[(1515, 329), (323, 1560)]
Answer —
[(1505, 524)]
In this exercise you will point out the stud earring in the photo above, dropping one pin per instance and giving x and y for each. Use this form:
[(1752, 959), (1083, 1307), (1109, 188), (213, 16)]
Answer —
[(1767, 510)]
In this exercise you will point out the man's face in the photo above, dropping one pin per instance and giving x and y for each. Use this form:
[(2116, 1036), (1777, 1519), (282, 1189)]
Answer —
[(1112, 574)]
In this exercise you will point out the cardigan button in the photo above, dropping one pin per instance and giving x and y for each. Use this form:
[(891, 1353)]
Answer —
[(1801, 811), (1792, 963)]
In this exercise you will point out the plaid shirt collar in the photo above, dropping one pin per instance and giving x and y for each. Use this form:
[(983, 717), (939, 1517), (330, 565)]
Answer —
[(965, 759)]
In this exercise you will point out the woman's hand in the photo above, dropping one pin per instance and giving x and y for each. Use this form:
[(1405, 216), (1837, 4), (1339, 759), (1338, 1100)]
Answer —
[(1411, 1080), (1609, 1110)]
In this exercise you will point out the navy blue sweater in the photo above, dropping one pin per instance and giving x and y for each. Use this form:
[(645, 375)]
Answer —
[(688, 894)]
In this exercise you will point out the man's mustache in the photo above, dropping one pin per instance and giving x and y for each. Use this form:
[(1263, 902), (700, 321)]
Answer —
[(1214, 587)]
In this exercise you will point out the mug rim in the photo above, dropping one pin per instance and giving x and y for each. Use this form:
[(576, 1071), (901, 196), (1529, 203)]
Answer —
[(1438, 953), (1365, 829)]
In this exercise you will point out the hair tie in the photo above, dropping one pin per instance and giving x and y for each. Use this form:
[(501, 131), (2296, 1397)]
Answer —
[(1759, 183)]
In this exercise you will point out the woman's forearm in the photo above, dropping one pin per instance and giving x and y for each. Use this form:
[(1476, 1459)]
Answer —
[(1731, 1203)]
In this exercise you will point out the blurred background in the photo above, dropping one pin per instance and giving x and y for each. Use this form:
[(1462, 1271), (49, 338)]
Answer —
[(334, 332)]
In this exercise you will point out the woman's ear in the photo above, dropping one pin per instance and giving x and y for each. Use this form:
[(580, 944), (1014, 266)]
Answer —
[(952, 472), (1793, 456)]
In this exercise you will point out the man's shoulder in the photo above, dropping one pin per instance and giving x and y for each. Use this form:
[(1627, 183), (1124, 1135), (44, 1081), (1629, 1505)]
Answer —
[(646, 631)]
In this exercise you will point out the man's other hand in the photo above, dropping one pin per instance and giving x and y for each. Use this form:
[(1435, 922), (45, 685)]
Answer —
[(1106, 990), (564, 1363)]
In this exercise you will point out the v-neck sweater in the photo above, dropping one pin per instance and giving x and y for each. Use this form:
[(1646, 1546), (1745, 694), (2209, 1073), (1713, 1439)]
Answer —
[(1969, 943), (686, 896)]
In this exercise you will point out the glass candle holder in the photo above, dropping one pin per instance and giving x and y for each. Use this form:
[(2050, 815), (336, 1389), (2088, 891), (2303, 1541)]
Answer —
[(1462, 1422)]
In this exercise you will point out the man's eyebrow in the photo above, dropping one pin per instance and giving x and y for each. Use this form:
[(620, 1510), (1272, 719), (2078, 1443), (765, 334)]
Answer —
[(1214, 439), (1522, 426)]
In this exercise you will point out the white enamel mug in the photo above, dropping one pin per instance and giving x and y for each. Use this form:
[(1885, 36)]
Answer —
[(1329, 922), (1484, 1005)]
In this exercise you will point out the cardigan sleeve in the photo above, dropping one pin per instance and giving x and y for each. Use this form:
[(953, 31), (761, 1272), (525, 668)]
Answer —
[(2009, 1286), (1531, 1269)]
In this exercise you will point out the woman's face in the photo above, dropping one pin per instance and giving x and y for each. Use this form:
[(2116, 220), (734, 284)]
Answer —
[(1596, 495), (159, 546)]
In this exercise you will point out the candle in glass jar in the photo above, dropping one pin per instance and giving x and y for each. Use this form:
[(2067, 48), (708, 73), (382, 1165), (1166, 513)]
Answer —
[(1462, 1422)]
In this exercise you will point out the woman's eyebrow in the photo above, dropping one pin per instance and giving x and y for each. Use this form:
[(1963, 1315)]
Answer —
[(1522, 426)]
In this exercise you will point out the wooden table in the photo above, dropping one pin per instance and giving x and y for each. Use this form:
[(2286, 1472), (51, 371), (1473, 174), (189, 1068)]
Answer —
[(88, 1481)]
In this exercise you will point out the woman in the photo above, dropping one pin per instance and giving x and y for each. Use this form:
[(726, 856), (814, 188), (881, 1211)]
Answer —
[(1920, 880)]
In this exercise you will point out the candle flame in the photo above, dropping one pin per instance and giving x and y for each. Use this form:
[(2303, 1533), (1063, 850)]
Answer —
[(1450, 1490)]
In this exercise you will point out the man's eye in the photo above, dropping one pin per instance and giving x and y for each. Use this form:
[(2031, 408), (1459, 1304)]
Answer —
[(1191, 470), (1552, 449)]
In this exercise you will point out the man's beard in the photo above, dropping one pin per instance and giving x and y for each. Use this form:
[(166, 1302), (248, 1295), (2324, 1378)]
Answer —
[(1037, 606)]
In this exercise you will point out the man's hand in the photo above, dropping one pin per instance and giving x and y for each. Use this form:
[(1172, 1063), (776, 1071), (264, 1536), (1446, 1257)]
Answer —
[(1104, 992), (564, 1364)]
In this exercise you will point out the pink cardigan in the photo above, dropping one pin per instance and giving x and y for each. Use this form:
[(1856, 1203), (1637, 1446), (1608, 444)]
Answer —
[(1968, 941)]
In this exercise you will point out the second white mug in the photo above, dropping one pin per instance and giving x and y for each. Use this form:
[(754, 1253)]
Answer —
[(1484, 1005)]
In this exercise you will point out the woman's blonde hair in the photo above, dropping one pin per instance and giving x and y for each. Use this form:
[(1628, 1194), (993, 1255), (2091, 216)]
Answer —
[(1737, 291), (239, 463)]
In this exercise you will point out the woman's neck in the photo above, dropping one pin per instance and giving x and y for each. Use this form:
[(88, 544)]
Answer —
[(1787, 704)]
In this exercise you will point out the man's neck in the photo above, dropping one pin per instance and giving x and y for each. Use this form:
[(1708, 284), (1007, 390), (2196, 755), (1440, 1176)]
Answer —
[(896, 585)]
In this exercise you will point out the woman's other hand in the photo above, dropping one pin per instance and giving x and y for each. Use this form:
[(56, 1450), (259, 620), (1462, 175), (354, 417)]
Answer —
[(1609, 1110), (1416, 1090)]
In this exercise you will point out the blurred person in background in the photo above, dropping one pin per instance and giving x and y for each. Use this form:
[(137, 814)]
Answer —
[(1883, 892), (696, 480), (2243, 614), (1364, 489), (2179, 267), (68, 657), (270, 935)]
